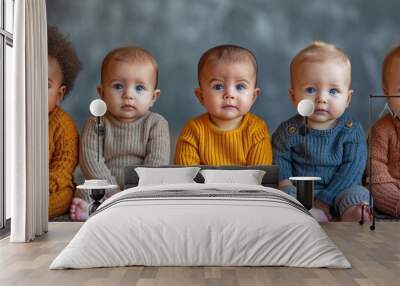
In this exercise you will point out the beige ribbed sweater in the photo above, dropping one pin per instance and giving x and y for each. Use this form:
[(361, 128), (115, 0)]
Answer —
[(142, 142), (385, 151)]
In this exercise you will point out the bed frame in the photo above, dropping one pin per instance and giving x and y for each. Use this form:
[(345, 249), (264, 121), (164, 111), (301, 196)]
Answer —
[(270, 178)]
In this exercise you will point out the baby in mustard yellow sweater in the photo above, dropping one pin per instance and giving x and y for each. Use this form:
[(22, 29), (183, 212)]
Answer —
[(63, 67), (227, 134)]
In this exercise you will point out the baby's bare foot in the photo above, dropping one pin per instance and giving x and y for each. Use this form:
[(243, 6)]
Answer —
[(354, 213), (79, 210), (319, 215)]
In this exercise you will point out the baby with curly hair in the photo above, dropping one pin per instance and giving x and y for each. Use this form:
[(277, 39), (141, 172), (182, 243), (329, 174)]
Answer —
[(63, 67)]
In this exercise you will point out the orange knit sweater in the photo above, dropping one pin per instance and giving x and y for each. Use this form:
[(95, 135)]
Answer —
[(385, 176), (202, 143), (63, 158)]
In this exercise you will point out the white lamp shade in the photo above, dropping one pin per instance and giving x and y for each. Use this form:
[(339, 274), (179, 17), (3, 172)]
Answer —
[(305, 107), (98, 107)]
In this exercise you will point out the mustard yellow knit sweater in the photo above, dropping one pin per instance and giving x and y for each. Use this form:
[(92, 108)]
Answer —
[(63, 158), (202, 143)]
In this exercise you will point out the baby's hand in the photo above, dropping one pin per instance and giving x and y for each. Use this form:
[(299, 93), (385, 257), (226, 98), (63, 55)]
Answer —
[(325, 208), (285, 183), (287, 187)]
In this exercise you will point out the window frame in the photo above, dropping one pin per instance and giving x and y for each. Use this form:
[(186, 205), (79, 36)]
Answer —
[(6, 39)]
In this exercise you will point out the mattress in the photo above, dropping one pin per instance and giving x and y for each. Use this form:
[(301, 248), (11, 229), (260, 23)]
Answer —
[(201, 225)]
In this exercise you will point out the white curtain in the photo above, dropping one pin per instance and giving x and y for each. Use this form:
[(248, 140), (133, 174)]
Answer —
[(27, 124)]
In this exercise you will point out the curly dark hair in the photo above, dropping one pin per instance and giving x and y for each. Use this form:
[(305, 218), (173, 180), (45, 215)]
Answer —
[(63, 51)]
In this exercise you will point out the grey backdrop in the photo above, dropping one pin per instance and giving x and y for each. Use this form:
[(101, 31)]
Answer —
[(178, 31)]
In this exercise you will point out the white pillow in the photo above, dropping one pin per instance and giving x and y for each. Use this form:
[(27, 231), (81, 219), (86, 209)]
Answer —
[(163, 176), (249, 177)]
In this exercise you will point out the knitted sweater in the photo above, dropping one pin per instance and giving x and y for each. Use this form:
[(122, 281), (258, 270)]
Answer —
[(337, 155), (385, 154), (63, 158), (142, 142), (202, 143), (385, 150)]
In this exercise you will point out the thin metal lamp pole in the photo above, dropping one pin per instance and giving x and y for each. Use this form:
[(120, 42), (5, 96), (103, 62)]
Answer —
[(371, 207), (98, 137)]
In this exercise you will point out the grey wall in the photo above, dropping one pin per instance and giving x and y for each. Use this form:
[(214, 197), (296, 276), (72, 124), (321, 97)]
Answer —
[(178, 31)]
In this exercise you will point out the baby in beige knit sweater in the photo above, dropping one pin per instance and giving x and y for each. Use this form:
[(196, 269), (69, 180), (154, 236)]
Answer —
[(385, 141), (133, 135)]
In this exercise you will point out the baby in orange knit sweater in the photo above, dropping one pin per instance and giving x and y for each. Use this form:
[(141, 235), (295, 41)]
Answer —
[(385, 141), (63, 67), (227, 134)]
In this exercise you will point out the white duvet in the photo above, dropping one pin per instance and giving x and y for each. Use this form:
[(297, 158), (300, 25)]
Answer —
[(132, 229)]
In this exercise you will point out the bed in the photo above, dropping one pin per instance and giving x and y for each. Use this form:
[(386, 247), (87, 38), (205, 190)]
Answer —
[(201, 224)]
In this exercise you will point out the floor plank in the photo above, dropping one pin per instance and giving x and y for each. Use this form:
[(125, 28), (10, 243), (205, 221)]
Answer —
[(374, 255)]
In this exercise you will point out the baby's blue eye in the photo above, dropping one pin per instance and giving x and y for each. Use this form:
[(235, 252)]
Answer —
[(118, 86), (334, 91), (139, 88), (218, 86), (310, 90), (240, 87)]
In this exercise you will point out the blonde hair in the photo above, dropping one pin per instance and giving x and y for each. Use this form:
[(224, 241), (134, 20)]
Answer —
[(129, 54), (392, 54), (319, 52), (231, 53)]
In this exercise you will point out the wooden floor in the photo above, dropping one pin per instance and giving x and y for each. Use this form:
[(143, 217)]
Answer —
[(374, 255)]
